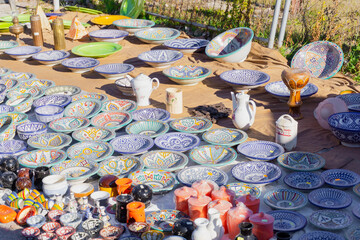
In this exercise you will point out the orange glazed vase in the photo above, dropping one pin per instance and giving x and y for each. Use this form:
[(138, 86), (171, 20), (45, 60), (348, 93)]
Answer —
[(135, 212)]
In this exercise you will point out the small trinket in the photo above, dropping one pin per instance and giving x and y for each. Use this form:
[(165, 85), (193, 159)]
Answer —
[(72, 205), (96, 210), (87, 214), (104, 217)]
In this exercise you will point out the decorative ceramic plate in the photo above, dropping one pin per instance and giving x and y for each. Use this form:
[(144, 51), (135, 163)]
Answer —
[(53, 56), (225, 136), (10, 83), (157, 35), (345, 127), (75, 169), (151, 114), (6, 109), (191, 124), (69, 124), (132, 144), (151, 128), (49, 141), (22, 52), (159, 180), (114, 70), (86, 108), (241, 189), (341, 178), (177, 141), (34, 92), (119, 105), (133, 25), (285, 199), (189, 175), (43, 84), (288, 221), (7, 44), (164, 160), (353, 233), (38, 158), (330, 198), (320, 235), (188, 45), (188, 75), (20, 76), (120, 166), (160, 58), (304, 180), (96, 49), (94, 133), (213, 155), (256, 172), (356, 211), (12, 146), (352, 100), (58, 100), (17, 117), (90, 150), (245, 78), (164, 220), (80, 63), (22, 18), (260, 150), (356, 189), (63, 89), (330, 219), (301, 161), (108, 35), (280, 90), (113, 120), (107, 20), (97, 96)]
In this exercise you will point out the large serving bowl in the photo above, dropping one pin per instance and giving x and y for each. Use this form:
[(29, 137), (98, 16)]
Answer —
[(285, 199), (151, 114), (330, 198), (188, 75), (124, 85), (225, 136), (35, 92), (51, 58), (288, 221), (80, 64), (86, 108), (256, 172), (260, 150), (280, 90), (12, 147), (189, 175), (49, 141), (213, 155), (340, 178), (345, 126), (43, 84), (352, 100), (108, 35), (29, 129), (68, 124), (96, 49), (191, 124), (301, 161), (20, 76), (133, 25), (58, 100), (188, 45), (132, 144), (41, 157), (241, 189), (335, 220), (7, 127), (304, 180), (48, 113), (119, 105), (157, 35), (114, 71), (113, 120), (21, 103), (151, 128), (93, 133), (119, 166), (164, 160), (4, 45), (90, 150), (322, 59), (98, 96), (160, 58), (177, 141), (63, 89), (23, 52), (245, 78), (233, 45)]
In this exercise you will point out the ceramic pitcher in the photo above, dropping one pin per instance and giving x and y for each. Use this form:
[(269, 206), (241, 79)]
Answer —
[(243, 115), (201, 232), (215, 226), (143, 87)]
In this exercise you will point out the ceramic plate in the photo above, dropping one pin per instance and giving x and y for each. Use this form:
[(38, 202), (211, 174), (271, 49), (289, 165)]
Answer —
[(213, 155), (288, 221), (97, 96), (304, 180), (68, 124), (320, 235), (164, 220), (285, 199), (120, 166), (186, 45), (225, 136), (12, 146), (245, 78), (86, 108), (301, 161), (160, 58), (241, 189), (356, 189), (191, 124), (190, 175), (340, 178), (188, 75), (119, 105), (164, 160), (63, 89), (22, 18), (151, 128), (75, 169), (40, 83), (330, 198), (353, 233), (157, 35), (260, 150), (177, 141), (113, 120), (7, 44), (38, 158), (49, 141), (280, 90), (133, 25), (132, 144), (151, 114), (20, 76), (58, 100), (96, 49), (10, 83), (256, 172), (90, 150), (356, 211), (330, 219), (94, 133), (107, 20)]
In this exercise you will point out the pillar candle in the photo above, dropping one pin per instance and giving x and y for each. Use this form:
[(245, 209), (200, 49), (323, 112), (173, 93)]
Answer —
[(204, 187), (223, 207), (223, 194), (198, 207), (263, 225), (235, 216), (181, 198), (250, 201)]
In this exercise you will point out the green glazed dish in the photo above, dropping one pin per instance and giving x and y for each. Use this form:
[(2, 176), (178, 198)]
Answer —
[(22, 18), (4, 26), (96, 49), (82, 9)]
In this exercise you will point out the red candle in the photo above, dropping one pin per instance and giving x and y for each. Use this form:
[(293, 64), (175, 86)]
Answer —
[(263, 225), (204, 187), (223, 194), (181, 198), (235, 216), (223, 207), (250, 201), (198, 207)]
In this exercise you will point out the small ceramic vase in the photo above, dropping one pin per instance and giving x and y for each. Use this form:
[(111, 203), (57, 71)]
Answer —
[(84, 206), (135, 212), (243, 115), (104, 217), (72, 205), (9, 179), (142, 193), (22, 183), (121, 210), (201, 232), (215, 226), (9, 163), (286, 132), (25, 172), (327, 108), (184, 228), (93, 226), (142, 86)]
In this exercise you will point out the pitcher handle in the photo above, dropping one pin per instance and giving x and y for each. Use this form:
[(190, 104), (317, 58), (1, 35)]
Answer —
[(253, 111), (158, 83)]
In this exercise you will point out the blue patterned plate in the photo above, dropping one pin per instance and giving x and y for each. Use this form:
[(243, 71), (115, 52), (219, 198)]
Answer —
[(188, 75), (177, 141), (12, 146), (188, 45), (69, 124), (352, 101), (151, 128), (288, 221), (52, 57), (245, 78), (80, 64), (132, 144), (345, 126), (114, 70), (20, 76), (22, 52), (90, 150), (330, 219), (4, 71), (43, 84), (256, 172), (320, 235), (133, 25), (113, 120), (49, 141), (260, 150), (164, 160), (151, 114), (120, 166), (86, 108), (241, 189), (6, 109), (304, 180), (353, 233), (341, 178), (97, 96), (301, 161), (157, 35), (58, 100), (280, 90), (38, 158), (164, 220), (160, 58), (75, 169), (330, 198), (94, 133), (356, 189), (108, 35), (285, 199), (225, 136), (213, 155), (356, 211), (191, 124), (189, 175), (119, 105)]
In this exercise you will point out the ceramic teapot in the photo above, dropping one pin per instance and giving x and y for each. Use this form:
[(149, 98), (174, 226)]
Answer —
[(143, 87), (243, 115)]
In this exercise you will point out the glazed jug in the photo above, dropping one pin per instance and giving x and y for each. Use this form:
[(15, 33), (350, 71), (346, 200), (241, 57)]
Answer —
[(243, 115), (215, 226), (201, 232), (143, 87)]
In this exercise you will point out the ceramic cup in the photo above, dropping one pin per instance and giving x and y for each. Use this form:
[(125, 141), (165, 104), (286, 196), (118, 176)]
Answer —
[(124, 185), (121, 203), (100, 196), (174, 100), (40, 173)]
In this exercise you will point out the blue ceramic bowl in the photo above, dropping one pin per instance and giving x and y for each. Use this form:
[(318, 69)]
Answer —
[(191, 124), (345, 126), (213, 155), (189, 175), (113, 120), (177, 141), (51, 57), (189, 45), (21, 103), (340, 178), (352, 101), (4, 71), (280, 90), (320, 235), (256, 172), (114, 70), (356, 211), (20, 76), (68, 124), (90, 150), (36, 221), (119, 105), (285, 199), (40, 83), (23, 52), (332, 220), (6, 109), (120, 166), (301, 161), (48, 113), (157, 35), (10, 83), (245, 78), (133, 25), (108, 35), (29, 129), (13, 146), (304, 180), (260, 150), (93, 133), (33, 91), (164, 160), (330, 198), (242, 189), (132, 144), (188, 75), (71, 219), (58, 100), (49, 141), (160, 58), (80, 64), (288, 221), (151, 114), (38, 158), (151, 128), (225, 136)]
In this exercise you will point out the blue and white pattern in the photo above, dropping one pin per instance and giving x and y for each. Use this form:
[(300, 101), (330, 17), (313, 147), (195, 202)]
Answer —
[(346, 127), (177, 141), (10, 83), (320, 235), (301, 161), (90, 150), (151, 114), (4, 71), (69, 124), (7, 45), (285, 199), (29, 129), (352, 101), (94, 133), (245, 77), (186, 72), (184, 44), (54, 55), (353, 233), (12, 146), (190, 175), (356, 211), (213, 155), (330, 198), (132, 144), (341, 178), (288, 221), (75, 169), (151, 128), (20, 76), (23, 50), (80, 62), (3, 91), (49, 141), (43, 84), (225, 136), (241, 189), (165, 160), (260, 150), (108, 33), (6, 109), (40, 157), (48, 113), (120, 166), (157, 35), (256, 172), (58, 100), (330, 219), (191, 124), (114, 68), (304, 180), (280, 90), (160, 56)]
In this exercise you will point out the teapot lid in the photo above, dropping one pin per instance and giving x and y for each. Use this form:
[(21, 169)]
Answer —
[(262, 219)]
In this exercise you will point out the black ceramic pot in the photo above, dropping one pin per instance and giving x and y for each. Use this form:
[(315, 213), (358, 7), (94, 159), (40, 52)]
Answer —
[(121, 202), (9, 179), (184, 228), (9, 163), (39, 174), (142, 193)]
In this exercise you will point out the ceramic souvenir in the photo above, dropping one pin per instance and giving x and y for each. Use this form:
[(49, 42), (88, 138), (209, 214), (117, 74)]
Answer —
[(244, 79), (213, 155), (160, 58), (6, 109), (164, 159), (22, 183), (21, 103), (35, 92), (236, 216), (90, 150), (163, 220), (330, 219), (10, 83), (25, 213), (345, 128), (260, 150), (152, 235), (103, 49), (82, 190), (353, 233), (63, 90), (151, 128), (68, 124), (288, 221), (189, 175), (177, 141), (188, 75), (93, 133), (174, 100), (83, 108), (40, 173), (119, 105), (143, 86), (65, 233), (9, 163), (7, 128), (304, 180), (107, 184), (330, 198), (98, 96), (132, 144), (111, 233), (356, 211), (51, 58), (50, 227), (80, 236), (54, 215), (201, 232), (356, 189), (22, 53), (71, 219), (138, 228), (119, 166), (40, 83), (49, 141), (9, 44), (80, 64), (191, 124), (108, 35), (301, 161), (286, 132), (92, 226), (285, 199), (48, 113), (215, 226), (30, 233), (224, 136), (263, 225), (11, 147), (279, 90), (107, 19), (124, 185), (188, 45), (114, 71), (113, 120), (241, 189), (133, 25), (151, 114), (142, 193), (29, 129), (36, 221), (123, 84), (327, 108), (340, 178), (183, 227), (157, 35), (54, 184)]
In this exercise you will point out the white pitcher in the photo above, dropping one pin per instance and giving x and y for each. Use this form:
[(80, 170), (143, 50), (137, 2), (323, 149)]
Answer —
[(143, 87), (243, 115), (201, 232), (286, 132), (215, 226)]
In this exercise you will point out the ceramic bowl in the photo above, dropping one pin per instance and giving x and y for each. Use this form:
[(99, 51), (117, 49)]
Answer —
[(352, 101), (7, 128), (114, 71), (30, 232), (345, 127), (97, 96), (80, 236), (191, 124), (10, 84), (256, 172), (164, 160), (285, 199), (132, 144), (151, 114), (80, 64), (160, 58), (322, 59), (113, 120), (119, 166), (50, 227), (22, 53), (93, 133), (160, 181), (111, 232), (63, 89), (82, 190), (244, 78), (288, 221), (54, 215), (340, 178), (152, 235), (315, 235), (64, 233), (335, 220), (260, 150), (42, 157), (301, 161), (4, 71), (6, 109), (189, 175), (108, 35), (356, 189), (353, 233), (177, 141), (21, 103), (188, 45), (304, 180), (54, 185), (92, 226), (164, 219), (157, 35), (225, 136), (35, 92), (280, 90), (188, 75), (90, 150), (356, 211), (242, 189), (232, 45), (101, 196), (49, 141), (51, 58), (3, 92), (76, 171), (151, 128), (71, 219), (17, 117), (133, 25), (36, 221), (124, 85), (11, 147), (329, 198), (138, 228), (86, 108), (48, 113), (119, 105), (19, 76), (4, 45), (40, 83), (213, 155), (69, 124), (29, 129)]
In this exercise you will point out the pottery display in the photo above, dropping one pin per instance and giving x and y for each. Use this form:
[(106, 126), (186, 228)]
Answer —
[(114, 71), (7, 44), (22, 183), (335, 220), (63, 90), (157, 35), (213, 155), (345, 128), (183, 227), (48, 113), (82, 190), (285, 199), (123, 84), (107, 184), (163, 220), (165, 160), (66, 232), (132, 144), (142, 86), (108, 35), (263, 225), (215, 226), (138, 228), (6, 109), (121, 202), (112, 232), (133, 25), (188, 45), (260, 150), (80, 236), (151, 114), (83, 108), (36, 221), (80, 64), (330, 198), (68, 124), (113, 120), (30, 232), (21, 53), (160, 58), (54, 185), (353, 233), (7, 129), (304, 180), (190, 175), (256, 172), (152, 235), (288, 221), (51, 58), (286, 132), (244, 79), (301, 161), (34, 92), (279, 90), (356, 211), (119, 165), (92, 226), (322, 235), (188, 75), (177, 141), (90, 150), (135, 212), (340, 178), (49, 141), (50, 227), (93, 133), (191, 124), (39, 174)]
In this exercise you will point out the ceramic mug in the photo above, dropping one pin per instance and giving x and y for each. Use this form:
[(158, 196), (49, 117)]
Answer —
[(174, 100)]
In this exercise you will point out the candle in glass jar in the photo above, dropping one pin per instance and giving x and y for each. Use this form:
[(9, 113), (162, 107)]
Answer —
[(181, 198), (235, 216), (223, 194), (198, 207), (204, 187), (263, 225), (250, 201), (223, 207)]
